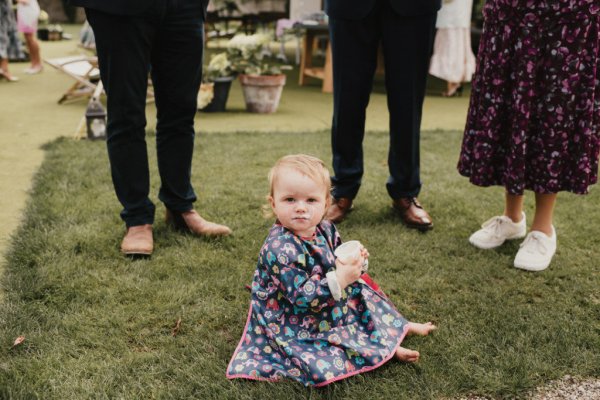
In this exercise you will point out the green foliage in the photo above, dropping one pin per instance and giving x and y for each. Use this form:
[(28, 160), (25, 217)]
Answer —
[(247, 55), (218, 67), (98, 325)]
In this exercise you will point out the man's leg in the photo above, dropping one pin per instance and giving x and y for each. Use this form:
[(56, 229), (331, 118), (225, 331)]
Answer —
[(176, 74), (354, 56), (123, 45), (407, 43)]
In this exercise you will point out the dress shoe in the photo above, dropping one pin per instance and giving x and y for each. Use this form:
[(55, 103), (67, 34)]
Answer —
[(138, 241), (338, 209), (412, 213), (192, 222)]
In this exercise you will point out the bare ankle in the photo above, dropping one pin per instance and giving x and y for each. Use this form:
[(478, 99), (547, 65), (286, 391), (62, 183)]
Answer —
[(516, 217), (545, 229)]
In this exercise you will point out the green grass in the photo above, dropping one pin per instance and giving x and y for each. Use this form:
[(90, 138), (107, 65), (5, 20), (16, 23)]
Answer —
[(98, 325)]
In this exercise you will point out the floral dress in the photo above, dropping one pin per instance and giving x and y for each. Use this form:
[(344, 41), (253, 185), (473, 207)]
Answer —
[(10, 45), (535, 106), (296, 329)]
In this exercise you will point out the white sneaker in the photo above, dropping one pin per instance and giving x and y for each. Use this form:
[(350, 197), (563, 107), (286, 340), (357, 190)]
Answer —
[(497, 230), (33, 70), (536, 251)]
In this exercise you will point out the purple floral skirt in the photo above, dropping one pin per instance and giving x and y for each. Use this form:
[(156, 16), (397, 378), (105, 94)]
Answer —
[(534, 114)]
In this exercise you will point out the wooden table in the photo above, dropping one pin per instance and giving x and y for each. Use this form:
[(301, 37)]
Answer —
[(325, 73)]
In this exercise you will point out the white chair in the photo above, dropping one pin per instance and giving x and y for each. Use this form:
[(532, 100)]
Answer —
[(83, 69)]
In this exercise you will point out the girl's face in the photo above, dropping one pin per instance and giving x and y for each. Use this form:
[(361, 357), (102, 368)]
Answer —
[(298, 202)]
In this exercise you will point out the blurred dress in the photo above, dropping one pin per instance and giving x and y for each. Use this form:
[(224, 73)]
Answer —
[(534, 115), (452, 59), (10, 45), (27, 16)]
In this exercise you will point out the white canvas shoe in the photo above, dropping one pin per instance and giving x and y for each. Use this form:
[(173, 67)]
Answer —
[(497, 230), (33, 70), (536, 251)]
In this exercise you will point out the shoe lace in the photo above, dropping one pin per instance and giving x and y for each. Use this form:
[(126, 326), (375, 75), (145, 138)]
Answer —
[(535, 241), (494, 226), (414, 201)]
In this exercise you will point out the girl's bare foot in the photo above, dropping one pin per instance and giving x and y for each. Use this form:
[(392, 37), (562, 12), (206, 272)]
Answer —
[(407, 355), (414, 328)]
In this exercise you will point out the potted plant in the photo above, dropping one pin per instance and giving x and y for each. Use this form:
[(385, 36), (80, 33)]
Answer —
[(262, 80), (214, 91)]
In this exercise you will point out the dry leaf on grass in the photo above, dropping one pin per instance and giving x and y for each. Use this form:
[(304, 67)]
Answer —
[(175, 330), (18, 341)]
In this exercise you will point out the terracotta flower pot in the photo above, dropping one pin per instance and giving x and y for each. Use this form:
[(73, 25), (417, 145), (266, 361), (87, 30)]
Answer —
[(262, 92)]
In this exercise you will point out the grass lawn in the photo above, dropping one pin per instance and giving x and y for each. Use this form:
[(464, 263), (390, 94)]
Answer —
[(98, 325)]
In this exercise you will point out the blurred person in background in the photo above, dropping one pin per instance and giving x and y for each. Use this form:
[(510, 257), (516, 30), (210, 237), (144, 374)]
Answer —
[(9, 41), (28, 12), (453, 59)]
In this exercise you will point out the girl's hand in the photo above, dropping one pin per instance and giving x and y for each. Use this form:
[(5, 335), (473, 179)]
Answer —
[(350, 271), (364, 253), (23, 1)]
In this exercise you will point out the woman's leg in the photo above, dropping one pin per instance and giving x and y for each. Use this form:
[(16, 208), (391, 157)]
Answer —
[(34, 50), (4, 72), (544, 212), (4, 66), (513, 207), (452, 89)]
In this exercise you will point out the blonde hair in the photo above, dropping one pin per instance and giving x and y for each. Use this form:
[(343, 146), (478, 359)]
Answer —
[(310, 166)]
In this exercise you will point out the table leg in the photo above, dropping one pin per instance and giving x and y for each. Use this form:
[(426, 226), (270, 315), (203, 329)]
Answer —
[(306, 59), (328, 71)]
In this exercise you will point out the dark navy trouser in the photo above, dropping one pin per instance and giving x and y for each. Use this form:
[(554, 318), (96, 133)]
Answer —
[(407, 42), (167, 39)]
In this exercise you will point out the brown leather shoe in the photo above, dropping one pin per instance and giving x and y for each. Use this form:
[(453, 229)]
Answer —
[(338, 210), (138, 241), (412, 213), (192, 222)]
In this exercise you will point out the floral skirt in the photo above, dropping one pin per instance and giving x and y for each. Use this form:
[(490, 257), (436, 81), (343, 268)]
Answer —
[(534, 114)]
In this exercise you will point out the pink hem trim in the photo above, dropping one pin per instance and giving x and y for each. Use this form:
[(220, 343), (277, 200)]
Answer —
[(240, 342), (337, 378), (253, 378), (367, 369), (325, 383)]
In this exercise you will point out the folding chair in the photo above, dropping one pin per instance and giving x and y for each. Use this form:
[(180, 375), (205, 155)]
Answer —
[(83, 69)]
